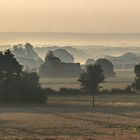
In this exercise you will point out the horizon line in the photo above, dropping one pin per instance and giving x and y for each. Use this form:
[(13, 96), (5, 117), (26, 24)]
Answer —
[(68, 32)]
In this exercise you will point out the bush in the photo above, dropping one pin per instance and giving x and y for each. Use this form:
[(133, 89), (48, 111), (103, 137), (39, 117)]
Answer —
[(50, 91), (64, 92), (69, 91), (19, 91), (126, 90)]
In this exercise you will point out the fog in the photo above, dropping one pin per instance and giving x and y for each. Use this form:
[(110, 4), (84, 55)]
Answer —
[(69, 39)]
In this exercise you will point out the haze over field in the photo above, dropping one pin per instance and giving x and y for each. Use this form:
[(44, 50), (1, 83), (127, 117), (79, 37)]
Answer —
[(79, 39), (63, 18), (70, 69)]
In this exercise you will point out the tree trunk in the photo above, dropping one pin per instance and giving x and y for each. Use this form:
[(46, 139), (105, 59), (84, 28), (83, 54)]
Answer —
[(92, 92), (93, 98), (93, 101)]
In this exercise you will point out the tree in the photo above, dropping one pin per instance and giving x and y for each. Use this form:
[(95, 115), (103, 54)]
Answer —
[(91, 78), (26, 56), (17, 86), (25, 51), (10, 69), (50, 60), (107, 66), (89, 62), (136, 83)]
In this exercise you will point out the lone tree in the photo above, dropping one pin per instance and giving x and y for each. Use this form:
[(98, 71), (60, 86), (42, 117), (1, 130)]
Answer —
[(136, 83), (91, 78)]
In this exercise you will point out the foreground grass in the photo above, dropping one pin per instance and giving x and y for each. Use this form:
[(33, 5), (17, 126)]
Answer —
[(73, 118), (128, 100)]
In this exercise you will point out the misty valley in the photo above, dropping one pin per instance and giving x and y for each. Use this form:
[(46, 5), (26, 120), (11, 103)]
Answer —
[(74, 60), (79, 92), (69, 70)]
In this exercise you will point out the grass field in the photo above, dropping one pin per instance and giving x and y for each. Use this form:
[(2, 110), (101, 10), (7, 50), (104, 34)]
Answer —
[(122, 79), (113, 118)]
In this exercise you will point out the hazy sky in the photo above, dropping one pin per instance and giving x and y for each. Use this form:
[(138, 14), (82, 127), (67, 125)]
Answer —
[(70, 15)]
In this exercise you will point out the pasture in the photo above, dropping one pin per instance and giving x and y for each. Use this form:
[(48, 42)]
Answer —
[(115, 117), (122, 79)]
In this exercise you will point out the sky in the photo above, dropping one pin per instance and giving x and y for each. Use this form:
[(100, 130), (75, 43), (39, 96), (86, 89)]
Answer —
[(84, 16)]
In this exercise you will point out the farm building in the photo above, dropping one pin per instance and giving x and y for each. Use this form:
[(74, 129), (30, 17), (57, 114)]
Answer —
[(53, 70)]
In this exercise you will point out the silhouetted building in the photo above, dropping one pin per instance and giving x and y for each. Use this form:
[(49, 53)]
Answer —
[(62, 70)]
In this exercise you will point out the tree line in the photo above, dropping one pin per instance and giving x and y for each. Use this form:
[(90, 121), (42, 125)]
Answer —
[(16, 85)]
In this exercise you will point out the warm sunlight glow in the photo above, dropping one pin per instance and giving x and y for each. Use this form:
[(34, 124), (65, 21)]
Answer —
[(70, 15)]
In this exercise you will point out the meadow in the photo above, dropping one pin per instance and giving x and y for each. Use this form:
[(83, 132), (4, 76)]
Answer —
[(122, 79), (72, 117), (115, 117)]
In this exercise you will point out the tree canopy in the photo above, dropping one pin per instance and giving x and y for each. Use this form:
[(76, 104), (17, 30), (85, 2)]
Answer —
[(89, 62), (91, 78), (136, 83), (50, 59), (15, 85), (9, 67), (26, 56), (25, 51), (107, 66)]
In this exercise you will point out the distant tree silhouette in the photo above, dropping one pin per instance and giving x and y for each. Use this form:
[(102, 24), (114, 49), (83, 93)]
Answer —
[(10, 69), (29, 51), (50, 59), (91, 79), (136, 83), (26, 56), (15, 85), (31, 78), (107, 66), (89, 62), (25, 51)]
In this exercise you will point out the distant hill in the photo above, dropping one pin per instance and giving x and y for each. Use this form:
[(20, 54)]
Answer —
[(128, 57), (127, 60)]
